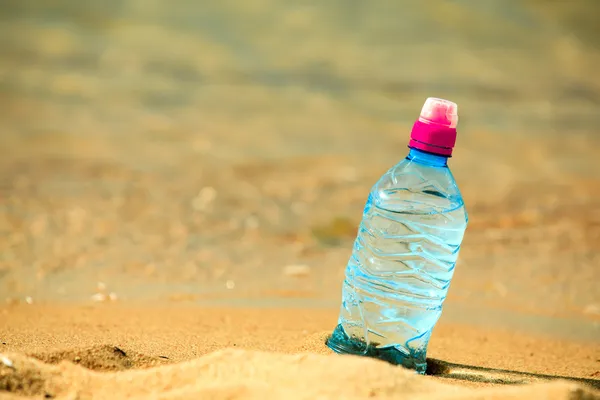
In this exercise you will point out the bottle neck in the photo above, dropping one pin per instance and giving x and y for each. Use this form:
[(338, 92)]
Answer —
[(431, 160)]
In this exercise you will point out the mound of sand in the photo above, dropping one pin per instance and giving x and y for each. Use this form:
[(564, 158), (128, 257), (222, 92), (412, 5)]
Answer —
[(246, 374), (102, 358)]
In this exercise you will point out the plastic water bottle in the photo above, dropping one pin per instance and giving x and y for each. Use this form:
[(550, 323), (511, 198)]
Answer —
[(406, 249)]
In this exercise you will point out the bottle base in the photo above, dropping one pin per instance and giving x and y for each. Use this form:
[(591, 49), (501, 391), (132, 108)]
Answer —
[(341, 343)]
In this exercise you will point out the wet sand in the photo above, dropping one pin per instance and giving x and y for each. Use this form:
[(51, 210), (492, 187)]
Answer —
[(199, 150)]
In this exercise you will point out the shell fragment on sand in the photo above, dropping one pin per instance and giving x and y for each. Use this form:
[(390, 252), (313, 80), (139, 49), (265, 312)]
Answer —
[(6, 361)]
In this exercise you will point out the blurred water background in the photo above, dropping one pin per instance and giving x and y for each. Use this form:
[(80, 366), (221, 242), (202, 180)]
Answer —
[(204, 150)]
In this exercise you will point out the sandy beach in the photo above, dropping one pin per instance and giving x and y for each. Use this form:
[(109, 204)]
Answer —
[(186, 351), (181, 185)]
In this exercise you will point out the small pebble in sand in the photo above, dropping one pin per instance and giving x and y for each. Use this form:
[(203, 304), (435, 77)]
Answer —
[(98, 297), (101, 286), (28, 300), (101, 297), (296, 270), (6, 361), (230, 284)]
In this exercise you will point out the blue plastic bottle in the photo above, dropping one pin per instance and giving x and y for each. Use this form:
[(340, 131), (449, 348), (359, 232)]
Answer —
[(406, 249)]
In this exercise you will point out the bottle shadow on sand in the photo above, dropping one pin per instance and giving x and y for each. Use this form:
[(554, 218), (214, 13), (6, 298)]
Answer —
[(444, 369), (472, 373)]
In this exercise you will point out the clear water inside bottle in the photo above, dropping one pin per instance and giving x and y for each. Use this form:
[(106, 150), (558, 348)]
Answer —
[(402, 263)]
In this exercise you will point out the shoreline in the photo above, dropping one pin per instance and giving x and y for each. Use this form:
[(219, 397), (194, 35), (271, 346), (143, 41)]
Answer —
[(579, 327)]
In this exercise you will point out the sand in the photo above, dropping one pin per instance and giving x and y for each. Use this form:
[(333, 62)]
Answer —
[(186, 351)]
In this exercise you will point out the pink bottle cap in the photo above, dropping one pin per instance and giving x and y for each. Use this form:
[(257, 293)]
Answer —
[(435, 130)]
